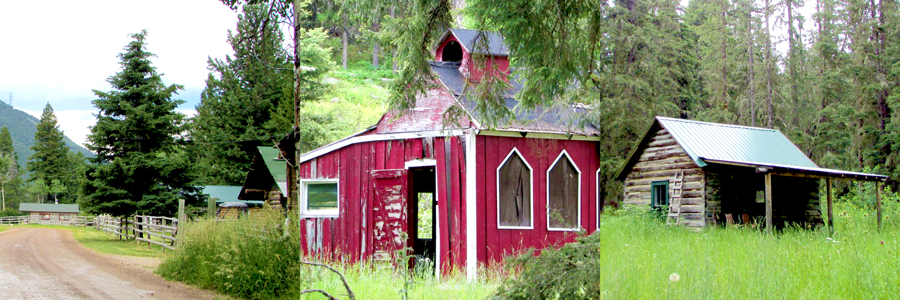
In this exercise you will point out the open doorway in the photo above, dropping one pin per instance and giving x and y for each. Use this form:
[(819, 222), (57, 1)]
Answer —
[(422, 222)]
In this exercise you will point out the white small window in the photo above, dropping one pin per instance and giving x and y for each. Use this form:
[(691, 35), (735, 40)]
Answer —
[(563, 194), (514, 189), (319, 198)]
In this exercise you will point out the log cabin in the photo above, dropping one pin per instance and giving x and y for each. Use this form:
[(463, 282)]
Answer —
[(50, 214), (267, 179), (453, 190), (707, 174)]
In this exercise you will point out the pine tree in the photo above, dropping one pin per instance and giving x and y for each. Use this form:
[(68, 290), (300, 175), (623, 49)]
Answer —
[(248, 99), (140, 165), (50, 151)]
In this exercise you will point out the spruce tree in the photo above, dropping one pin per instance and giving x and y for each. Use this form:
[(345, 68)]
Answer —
[(50, 151), (248, 99), (140, 166)]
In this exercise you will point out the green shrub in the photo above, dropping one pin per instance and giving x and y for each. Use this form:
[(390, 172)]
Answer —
[(248, 258)]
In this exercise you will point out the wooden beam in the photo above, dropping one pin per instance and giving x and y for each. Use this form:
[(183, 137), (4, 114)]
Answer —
[(768, 203), (830, 210), (878, 202)]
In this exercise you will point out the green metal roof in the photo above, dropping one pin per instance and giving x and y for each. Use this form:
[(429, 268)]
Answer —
[(713, 143), (732, 143), (223, 193), (228, 193), (41, 207), (277, 167)]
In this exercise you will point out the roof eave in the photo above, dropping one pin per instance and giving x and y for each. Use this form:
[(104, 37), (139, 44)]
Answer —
[(635, 156), (793, 171)]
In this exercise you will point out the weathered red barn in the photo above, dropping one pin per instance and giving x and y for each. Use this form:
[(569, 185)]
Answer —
[(487, 192)]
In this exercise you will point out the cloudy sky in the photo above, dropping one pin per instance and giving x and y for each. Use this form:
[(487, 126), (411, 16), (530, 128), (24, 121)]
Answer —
[(58, 51)]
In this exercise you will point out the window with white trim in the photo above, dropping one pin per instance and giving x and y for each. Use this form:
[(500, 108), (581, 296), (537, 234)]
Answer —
[(319, 198), (514, 193), (563, 194)]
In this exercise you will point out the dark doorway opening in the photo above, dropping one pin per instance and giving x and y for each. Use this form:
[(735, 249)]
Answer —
[(422, 216), (452, 52)]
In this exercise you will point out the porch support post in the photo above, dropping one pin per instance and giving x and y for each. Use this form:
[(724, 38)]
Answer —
[(878, 202), (768, 203), (830, 203)]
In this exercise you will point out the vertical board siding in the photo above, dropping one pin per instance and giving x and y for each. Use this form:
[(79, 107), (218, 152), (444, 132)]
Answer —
[(493, 243), (661, 160), (350, 236)]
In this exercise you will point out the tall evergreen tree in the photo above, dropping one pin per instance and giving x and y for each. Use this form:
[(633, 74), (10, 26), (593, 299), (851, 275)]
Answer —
[(248, 100), (50, 151), (140, 164)]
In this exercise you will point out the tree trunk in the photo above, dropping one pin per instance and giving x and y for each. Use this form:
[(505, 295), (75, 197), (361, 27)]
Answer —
[(376, 48), (297, 5), (724, 54), (771, 108), (344, 45), (394, 50), (458, 6), (750, 65), (792, 64)]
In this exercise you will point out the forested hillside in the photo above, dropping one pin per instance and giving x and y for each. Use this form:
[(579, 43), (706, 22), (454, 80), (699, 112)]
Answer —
[(22, 127), (824, 73)]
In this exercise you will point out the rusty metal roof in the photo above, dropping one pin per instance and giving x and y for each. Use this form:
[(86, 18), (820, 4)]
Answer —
[(713, 143)]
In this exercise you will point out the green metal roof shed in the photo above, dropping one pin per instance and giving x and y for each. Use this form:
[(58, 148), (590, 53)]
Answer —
[(713, 143), (48, 208), (675, 158), (268, 170)]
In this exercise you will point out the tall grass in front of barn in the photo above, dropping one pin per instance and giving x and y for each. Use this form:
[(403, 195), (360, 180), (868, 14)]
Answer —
[(636, 256), (253, 258)]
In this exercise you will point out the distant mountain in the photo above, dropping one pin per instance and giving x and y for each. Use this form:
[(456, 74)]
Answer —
[(22, 127)]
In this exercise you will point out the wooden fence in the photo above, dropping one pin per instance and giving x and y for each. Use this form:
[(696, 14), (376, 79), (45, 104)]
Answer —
[(155, 230), (80, 221)]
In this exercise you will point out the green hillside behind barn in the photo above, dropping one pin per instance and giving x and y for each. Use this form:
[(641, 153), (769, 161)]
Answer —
[(22, 127)]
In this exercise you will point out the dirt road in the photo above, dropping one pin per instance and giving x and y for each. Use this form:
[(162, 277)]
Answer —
[(39, 263)]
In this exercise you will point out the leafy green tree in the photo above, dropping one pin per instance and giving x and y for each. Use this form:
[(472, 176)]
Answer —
[(10, 182), (9, 171), (50, 151), (56, 188), (40, 189), (140, 164)]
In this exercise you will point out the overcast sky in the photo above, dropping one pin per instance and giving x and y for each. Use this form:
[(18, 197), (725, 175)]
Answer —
[(58, 51)]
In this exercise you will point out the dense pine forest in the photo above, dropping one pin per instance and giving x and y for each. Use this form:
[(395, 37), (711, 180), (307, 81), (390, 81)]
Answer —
[(827, 73)]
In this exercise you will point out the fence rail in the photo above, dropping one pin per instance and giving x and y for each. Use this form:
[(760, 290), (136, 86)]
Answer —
[(80, 221), (154, 230)]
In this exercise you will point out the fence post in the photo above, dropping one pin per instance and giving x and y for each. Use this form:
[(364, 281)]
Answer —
[(211, 207), (181, 217)]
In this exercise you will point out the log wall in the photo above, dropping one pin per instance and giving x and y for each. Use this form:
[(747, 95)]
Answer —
[(660, 160)]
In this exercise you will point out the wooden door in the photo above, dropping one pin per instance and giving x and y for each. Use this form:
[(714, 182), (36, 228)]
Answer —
[(389, 214)]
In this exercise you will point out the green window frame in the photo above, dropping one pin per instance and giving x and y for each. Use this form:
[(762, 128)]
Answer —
[(659, 193)]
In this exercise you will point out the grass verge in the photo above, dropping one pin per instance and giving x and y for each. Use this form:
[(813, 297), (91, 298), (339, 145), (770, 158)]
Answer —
[(104, 243)]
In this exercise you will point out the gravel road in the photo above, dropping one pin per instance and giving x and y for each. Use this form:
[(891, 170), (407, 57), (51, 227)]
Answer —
[(40, 263)]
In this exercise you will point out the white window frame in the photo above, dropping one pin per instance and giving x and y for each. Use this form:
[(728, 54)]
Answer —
[(531, 190), (578, 222), (597, 192), (318, 213)]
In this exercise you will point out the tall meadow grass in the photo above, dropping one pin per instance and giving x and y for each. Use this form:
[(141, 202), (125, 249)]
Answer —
[(636, 256)]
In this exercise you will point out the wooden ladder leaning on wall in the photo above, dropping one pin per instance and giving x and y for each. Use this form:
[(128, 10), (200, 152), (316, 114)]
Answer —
[(674, 216)]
